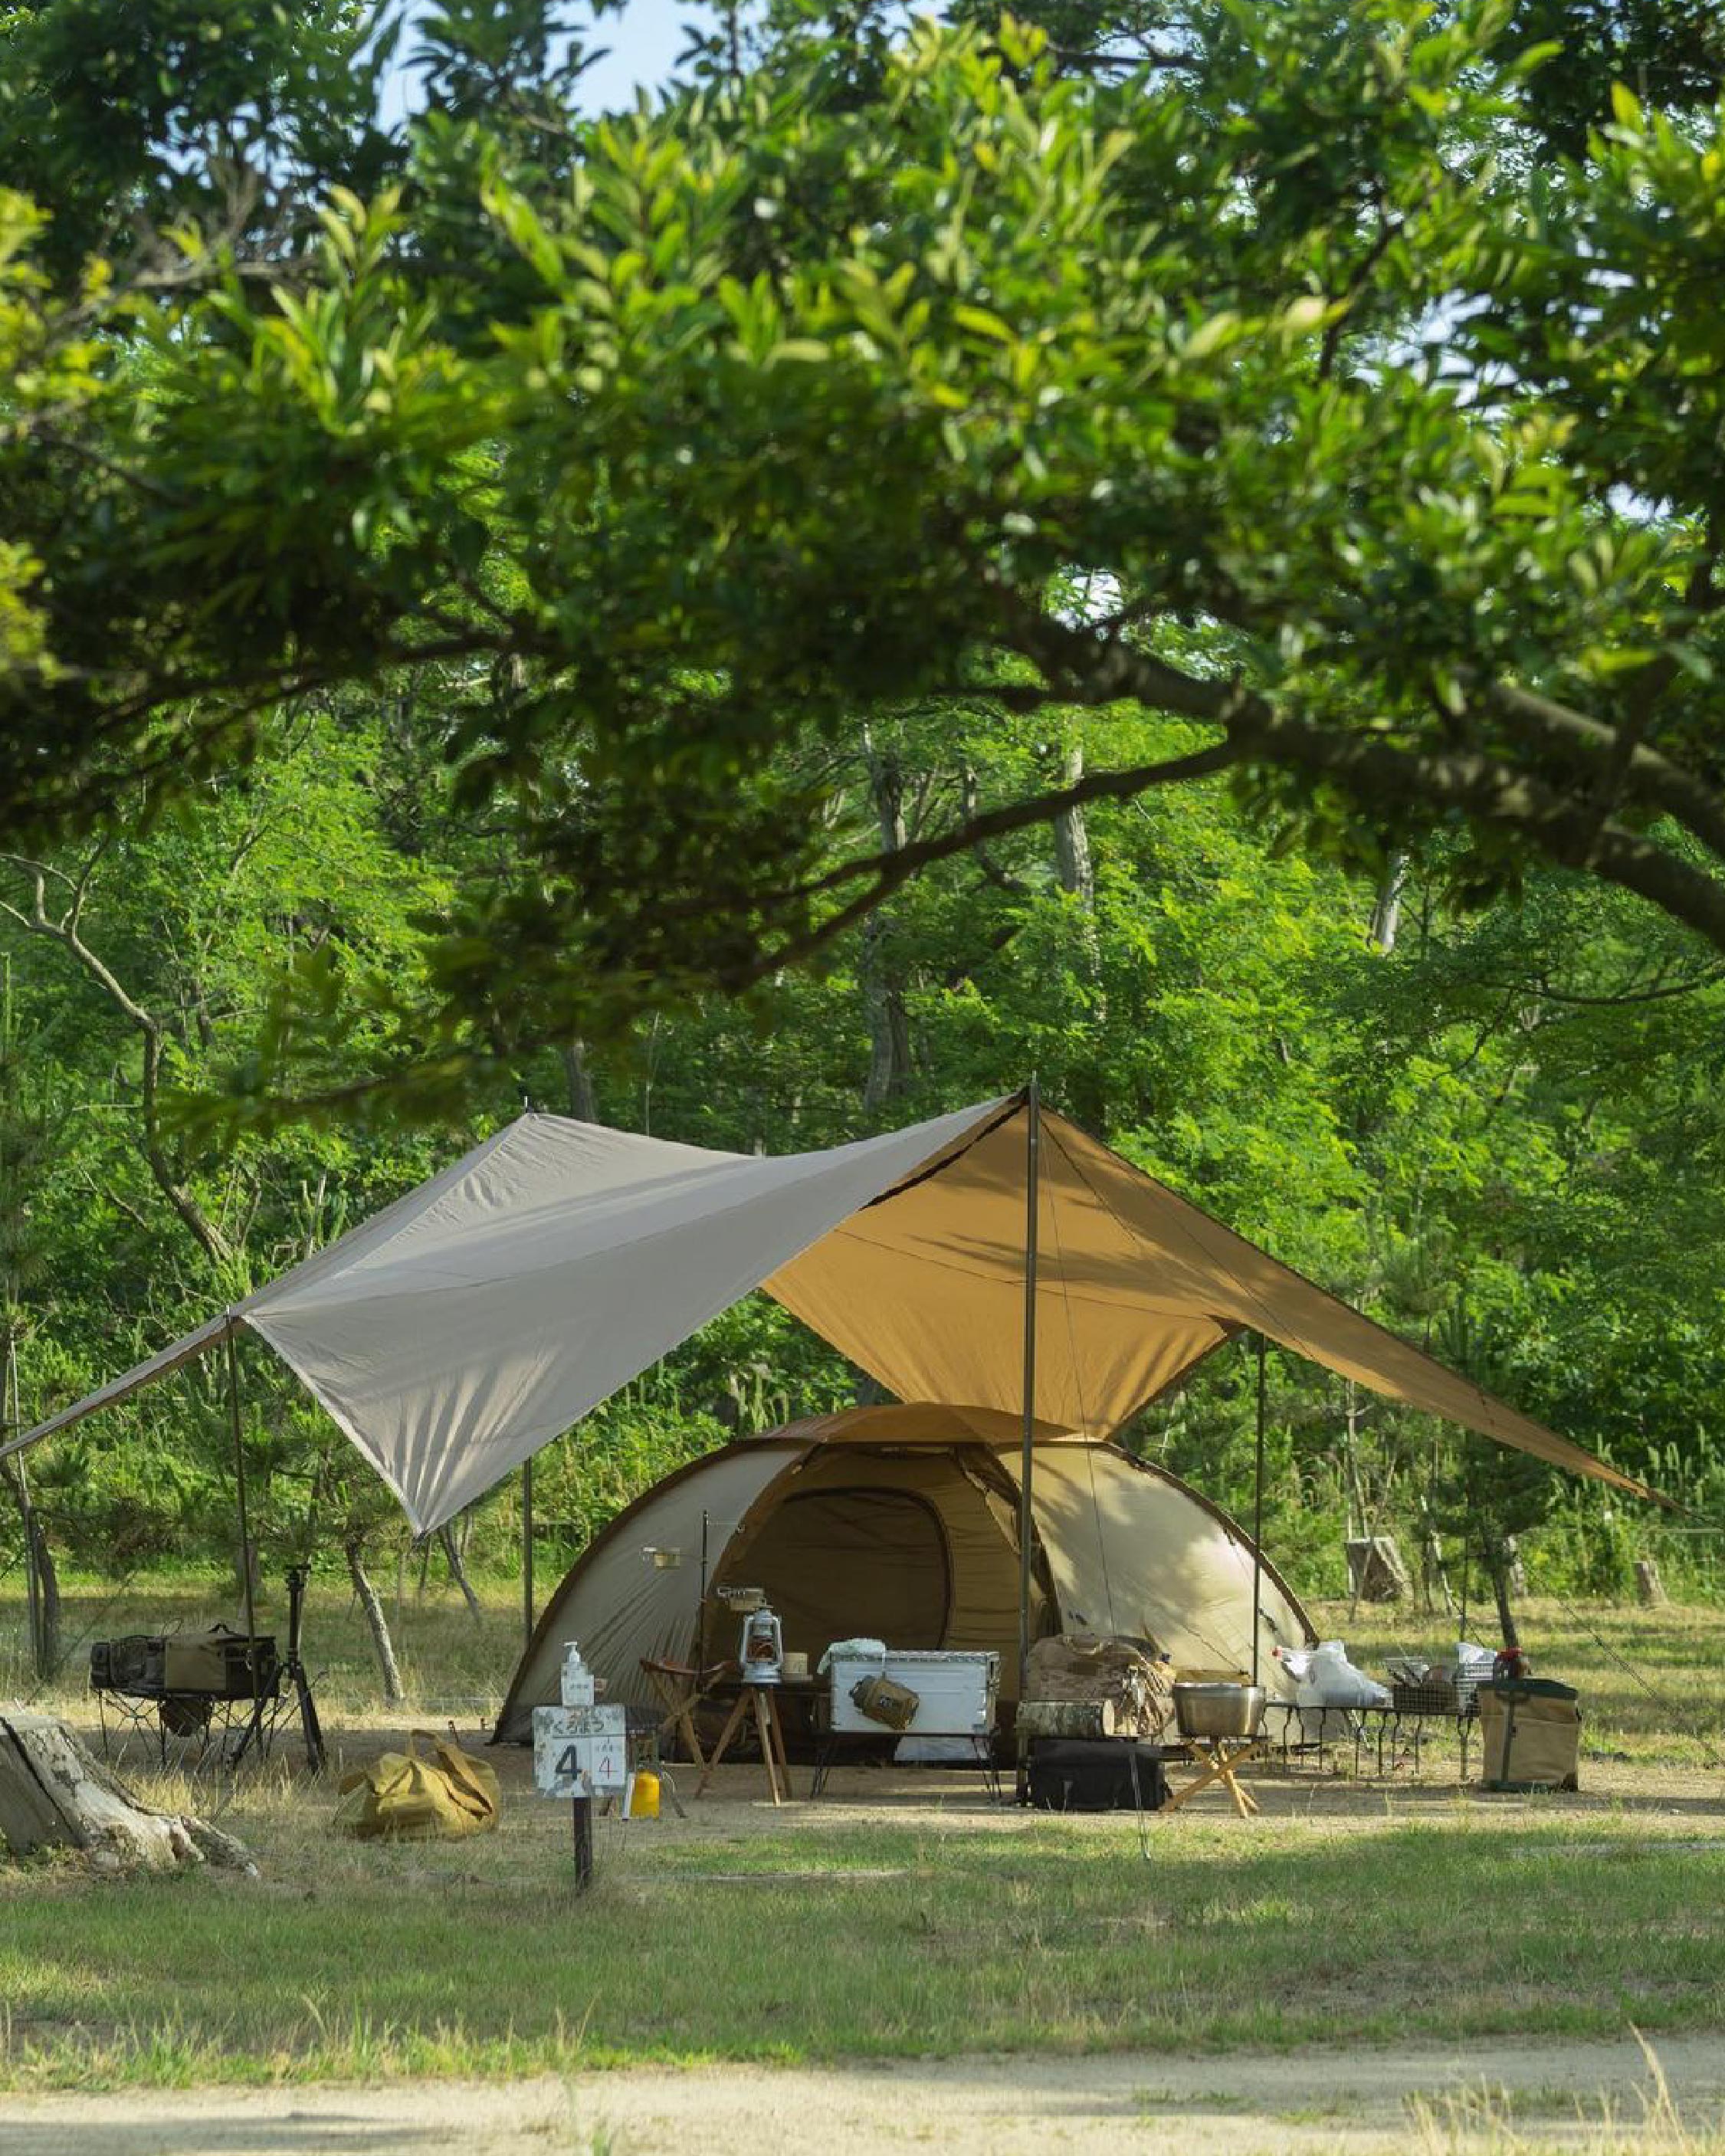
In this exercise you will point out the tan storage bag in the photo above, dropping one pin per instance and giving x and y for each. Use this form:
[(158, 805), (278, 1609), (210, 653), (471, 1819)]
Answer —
[(1531, 1733)]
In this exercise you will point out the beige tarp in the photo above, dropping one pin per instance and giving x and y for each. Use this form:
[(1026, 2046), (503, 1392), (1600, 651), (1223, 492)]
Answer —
[(901, 1523), (925, 1290), (485, 1313)]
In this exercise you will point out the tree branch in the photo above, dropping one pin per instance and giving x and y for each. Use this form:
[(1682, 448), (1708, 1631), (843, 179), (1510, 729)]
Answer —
[(893, 867)]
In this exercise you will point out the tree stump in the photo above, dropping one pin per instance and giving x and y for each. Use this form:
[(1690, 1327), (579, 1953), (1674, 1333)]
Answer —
[(1650, 1588), (54, 1793), (1375, 1567)]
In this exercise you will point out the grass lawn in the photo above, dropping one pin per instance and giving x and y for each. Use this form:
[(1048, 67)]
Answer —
[(915, 1920)]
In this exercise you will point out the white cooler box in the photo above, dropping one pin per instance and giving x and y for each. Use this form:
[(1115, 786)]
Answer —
[(955, 1692)]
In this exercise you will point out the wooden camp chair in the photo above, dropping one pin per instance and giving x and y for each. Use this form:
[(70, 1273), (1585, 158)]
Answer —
[(681, 1688)]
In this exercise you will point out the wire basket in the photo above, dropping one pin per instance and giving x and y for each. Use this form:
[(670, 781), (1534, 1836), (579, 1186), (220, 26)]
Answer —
[(1430, 1699)]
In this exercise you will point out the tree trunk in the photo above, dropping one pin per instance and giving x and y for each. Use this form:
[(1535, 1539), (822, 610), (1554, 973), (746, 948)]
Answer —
[(46, 1645), (53, 1795), (1497, 1562), (889, 1022), (377, 1625), (458, 1572), (1375, 1568), (1077, 875), (41, 1586), (882, 972), (1072, 858), (247, 1574), (581, 1104), (1387, 913)]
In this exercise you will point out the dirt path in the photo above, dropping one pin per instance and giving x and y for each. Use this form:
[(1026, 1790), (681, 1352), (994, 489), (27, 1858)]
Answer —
[(1358, 2102)]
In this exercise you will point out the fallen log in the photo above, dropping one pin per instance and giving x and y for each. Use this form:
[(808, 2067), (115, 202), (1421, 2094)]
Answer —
[(1065, 1717), (54, 1793)]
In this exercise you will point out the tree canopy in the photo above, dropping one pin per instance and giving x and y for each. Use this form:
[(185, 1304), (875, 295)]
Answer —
[(1173, 548), (1299, 377)]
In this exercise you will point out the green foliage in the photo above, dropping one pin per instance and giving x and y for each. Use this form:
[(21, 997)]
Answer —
[(923, 555), (656, 453)]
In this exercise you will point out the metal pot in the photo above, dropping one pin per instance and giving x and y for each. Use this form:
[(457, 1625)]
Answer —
[(1219, 1710)]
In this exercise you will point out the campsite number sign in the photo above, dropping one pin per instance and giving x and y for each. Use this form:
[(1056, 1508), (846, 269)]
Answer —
[(580, 1751)]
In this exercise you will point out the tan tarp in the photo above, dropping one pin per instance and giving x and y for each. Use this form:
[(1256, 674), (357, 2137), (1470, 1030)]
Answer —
[(925, 1290), (483, 1314), (1125, 1547)]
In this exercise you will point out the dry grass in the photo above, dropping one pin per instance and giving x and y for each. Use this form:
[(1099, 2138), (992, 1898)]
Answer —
[(907, 1916), (1484, 2123)]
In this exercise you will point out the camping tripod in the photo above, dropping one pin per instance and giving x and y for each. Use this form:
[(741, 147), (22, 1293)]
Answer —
[(292, 1671)]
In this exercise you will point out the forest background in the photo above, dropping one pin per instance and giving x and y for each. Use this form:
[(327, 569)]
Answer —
[(1470, 1088)]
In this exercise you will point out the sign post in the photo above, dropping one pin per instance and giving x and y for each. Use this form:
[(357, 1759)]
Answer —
[(581, 1752)]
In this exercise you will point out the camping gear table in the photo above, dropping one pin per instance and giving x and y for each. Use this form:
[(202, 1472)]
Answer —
[(1411, 1712), (1219, 1756), (210, 1686)]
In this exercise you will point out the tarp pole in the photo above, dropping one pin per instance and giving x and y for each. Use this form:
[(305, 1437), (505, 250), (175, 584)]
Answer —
[(1258, 1517), (245, 1529), (527, 1550), (1033, 1104)]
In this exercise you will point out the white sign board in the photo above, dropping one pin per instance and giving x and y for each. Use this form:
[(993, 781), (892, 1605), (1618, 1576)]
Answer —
[(581, 1751)]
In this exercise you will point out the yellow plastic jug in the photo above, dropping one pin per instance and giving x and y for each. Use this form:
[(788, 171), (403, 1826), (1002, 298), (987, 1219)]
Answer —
[(643, 1797)]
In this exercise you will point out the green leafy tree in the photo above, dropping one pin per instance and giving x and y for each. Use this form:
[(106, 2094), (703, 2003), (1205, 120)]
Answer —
[(666, 451)]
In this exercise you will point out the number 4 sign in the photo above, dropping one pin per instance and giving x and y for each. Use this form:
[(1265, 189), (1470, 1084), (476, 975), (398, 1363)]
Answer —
[(580, 1751)]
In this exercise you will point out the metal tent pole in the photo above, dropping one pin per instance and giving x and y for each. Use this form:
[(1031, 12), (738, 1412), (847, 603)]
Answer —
[(245, 1530), (527, 1551), (1033, 1106), (1258, 1518)]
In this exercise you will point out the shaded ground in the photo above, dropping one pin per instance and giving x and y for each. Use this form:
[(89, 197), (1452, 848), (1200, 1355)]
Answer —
[(1494, 2096)]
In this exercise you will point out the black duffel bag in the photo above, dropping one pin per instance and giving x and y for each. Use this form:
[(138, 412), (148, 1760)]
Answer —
[(1095, 1774)]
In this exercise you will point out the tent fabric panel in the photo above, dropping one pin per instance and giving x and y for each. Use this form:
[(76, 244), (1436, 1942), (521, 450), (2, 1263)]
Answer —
[(925, 1290), (1197, 1262), (621, 1607), (1133, 1552), (451, 1357)]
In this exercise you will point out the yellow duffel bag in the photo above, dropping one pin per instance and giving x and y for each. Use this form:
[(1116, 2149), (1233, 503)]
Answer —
[(403, 1796)]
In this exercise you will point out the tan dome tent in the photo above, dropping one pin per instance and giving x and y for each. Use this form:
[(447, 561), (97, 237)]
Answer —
[(901, 1523)]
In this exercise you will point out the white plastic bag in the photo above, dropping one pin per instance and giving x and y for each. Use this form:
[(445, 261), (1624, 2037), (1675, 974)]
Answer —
[(1338, 1683)]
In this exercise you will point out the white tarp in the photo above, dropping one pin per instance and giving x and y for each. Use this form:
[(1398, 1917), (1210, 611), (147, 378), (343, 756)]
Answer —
[(483, 1314)]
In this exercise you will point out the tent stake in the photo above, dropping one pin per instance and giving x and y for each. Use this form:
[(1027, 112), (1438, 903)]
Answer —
[(1258, 1518), (245, 1530), (527, 1551), (1033, 1104)]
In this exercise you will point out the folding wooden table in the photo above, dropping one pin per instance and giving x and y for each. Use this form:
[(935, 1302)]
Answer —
[(1219, 1756)]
